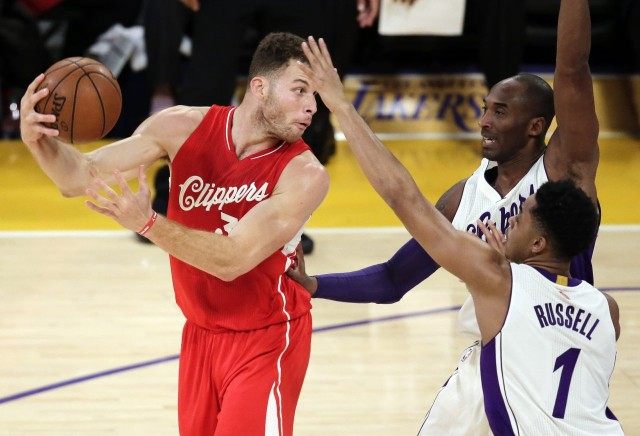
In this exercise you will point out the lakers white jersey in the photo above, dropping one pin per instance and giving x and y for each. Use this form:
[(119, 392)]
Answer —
[(547, 371), (480, 201)]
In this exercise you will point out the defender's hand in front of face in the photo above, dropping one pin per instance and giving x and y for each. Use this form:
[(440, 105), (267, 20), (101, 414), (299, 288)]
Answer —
[(494, 237), (299, 273), (32, 128), (131, 210), (324, 77)]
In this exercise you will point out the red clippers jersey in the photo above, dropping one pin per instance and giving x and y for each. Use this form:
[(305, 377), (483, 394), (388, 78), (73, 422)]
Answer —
[(211, 189)]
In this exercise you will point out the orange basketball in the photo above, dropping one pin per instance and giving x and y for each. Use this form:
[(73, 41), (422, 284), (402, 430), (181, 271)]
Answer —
[(85, 98)]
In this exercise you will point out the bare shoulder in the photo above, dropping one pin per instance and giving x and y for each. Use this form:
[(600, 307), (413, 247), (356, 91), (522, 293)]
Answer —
[(615, 313), (305, 173), (171, 127), (450, 201)]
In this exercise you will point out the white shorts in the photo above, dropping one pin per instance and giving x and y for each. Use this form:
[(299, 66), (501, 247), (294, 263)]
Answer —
[(458, 408)]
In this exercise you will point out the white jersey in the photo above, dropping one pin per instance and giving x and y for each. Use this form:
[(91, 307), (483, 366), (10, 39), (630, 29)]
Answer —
[(547, 372), (480, 201), (458, 408)]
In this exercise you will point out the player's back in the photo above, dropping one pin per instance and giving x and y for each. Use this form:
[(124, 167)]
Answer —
[(547, 372)]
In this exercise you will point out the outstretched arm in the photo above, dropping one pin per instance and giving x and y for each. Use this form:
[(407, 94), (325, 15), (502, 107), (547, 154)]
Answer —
[(482, 268), (73, 171), (300, 189), (385, 282), (573, 149)]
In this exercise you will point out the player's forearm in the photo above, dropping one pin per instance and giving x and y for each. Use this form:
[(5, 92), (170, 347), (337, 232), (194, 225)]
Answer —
[(574, 35), (63, 164), (209, 252), (383, 283), (385, 173)]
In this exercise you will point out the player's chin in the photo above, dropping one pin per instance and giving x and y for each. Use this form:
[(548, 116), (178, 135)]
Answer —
[(293, 135), (489, 153)]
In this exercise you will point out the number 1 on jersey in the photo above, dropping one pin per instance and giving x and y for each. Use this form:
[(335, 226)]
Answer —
[(567, 361)]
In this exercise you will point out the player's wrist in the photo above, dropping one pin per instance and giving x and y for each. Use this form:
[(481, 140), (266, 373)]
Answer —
[(149, 224)]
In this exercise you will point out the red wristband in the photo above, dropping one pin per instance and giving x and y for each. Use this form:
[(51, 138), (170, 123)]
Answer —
[(149, 223)]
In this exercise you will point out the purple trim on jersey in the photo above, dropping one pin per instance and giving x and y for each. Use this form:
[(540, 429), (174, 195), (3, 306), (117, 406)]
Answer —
[(494, 405), (383, 283), (553, 277), (609, 414)]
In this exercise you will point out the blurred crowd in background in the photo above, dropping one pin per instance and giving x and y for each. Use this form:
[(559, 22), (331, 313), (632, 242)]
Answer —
[(167, 52)]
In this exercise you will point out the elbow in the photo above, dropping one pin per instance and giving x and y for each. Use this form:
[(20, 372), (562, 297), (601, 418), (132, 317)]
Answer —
[(394, 192), (228, 269), (226, 276), (71, 192), (578, 67), (397, 296), (226, 273)]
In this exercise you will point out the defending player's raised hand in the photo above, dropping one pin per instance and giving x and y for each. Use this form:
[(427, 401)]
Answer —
[(31, 127), (494, 237), (298, 273), (323, 75), (130, 209)]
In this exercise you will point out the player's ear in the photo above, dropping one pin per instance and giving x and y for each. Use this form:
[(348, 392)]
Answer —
[(539, 244), (537, 126), (259, 87)]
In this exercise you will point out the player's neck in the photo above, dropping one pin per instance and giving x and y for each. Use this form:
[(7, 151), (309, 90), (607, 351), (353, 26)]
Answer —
[(248, 135), (509, 173), (561, 268)]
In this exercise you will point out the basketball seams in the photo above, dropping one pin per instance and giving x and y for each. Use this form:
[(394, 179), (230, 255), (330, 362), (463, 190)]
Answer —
[(92, 94), (79, 65), (109, 79), (51, 91), (49, 71), (104, 116), (73, 109)]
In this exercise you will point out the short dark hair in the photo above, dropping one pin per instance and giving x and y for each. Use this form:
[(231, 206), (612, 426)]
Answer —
[(274, 52), (539, 96), (567, 216)]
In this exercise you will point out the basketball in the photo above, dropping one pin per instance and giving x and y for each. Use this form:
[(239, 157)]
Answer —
[(85, 98)]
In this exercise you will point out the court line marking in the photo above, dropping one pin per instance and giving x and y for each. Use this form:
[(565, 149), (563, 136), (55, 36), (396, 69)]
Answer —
[(458, 136), (331, 327), (19, 234)]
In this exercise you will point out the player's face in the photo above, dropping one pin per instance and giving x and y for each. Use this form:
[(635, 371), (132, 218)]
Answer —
[(504, 122), (290, 104), (522, 233)]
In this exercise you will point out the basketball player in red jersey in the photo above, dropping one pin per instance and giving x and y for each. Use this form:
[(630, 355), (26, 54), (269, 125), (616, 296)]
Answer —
[(243, 184)]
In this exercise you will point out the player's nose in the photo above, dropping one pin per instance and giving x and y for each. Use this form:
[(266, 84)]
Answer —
[(484, 121), (311, 106)]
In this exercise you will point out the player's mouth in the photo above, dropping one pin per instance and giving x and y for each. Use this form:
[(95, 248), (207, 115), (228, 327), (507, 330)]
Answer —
[(302, 126), (488, 141)]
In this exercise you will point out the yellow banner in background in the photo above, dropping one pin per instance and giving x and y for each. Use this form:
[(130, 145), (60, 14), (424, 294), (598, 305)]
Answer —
[(418, 103), (450, 105)]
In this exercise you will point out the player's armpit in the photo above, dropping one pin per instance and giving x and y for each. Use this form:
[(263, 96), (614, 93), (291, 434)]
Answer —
[(449, 202)]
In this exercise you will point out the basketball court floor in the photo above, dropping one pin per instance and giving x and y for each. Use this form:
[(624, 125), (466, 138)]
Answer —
[(89, 330)]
